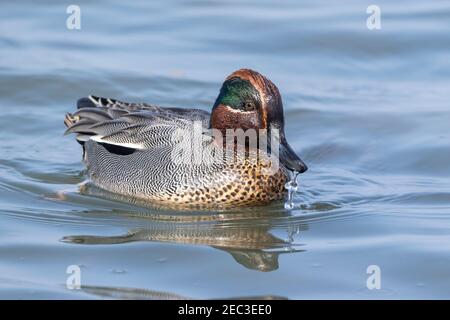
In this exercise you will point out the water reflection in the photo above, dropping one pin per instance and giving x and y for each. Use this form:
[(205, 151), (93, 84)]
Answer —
[(144, 294), (247, 236)]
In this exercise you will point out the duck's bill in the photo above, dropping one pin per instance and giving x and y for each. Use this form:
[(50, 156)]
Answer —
[(290, 159)]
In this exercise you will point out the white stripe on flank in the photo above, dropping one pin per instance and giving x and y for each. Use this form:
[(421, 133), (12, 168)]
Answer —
[(99, 138)]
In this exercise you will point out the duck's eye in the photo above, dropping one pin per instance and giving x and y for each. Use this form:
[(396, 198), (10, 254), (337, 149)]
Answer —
[(249, 106)]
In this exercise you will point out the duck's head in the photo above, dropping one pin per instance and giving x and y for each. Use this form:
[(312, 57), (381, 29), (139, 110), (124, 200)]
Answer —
[(248, 100)]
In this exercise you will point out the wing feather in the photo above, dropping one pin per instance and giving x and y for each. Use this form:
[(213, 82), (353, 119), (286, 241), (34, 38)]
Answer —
[(129, 125)]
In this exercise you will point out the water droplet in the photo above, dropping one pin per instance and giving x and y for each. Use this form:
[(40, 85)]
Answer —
[(288, 205), (292, 187)]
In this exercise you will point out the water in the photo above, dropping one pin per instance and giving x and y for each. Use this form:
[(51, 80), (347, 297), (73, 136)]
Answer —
[(291, 188), (368, 111)]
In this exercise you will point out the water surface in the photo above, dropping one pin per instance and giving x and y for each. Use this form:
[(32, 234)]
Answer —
[(368, 111)]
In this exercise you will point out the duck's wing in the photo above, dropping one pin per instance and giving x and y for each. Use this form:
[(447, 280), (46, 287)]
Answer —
[(118, 124)]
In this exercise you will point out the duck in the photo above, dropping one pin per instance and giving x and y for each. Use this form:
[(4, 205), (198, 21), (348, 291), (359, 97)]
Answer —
[(150, 153)]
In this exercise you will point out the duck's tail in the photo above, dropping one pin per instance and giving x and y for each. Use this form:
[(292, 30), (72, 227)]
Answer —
[(91, 111)]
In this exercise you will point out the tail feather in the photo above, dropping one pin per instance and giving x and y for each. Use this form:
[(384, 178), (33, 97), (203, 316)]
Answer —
[(85, 103), (80, 126), (69, 120)]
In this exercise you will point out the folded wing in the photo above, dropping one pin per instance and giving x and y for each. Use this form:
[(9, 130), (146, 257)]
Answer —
[(120, 126)]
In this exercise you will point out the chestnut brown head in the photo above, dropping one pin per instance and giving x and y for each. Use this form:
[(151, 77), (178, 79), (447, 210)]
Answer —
[(248, 100)]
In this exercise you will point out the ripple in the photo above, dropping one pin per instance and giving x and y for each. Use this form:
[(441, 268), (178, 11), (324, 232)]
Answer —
[(367, 111)]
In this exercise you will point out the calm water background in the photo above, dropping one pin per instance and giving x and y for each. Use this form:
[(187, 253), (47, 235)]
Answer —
[(367, 110)]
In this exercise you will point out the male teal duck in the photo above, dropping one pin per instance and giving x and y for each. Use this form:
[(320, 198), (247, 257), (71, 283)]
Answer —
[(133, 149)]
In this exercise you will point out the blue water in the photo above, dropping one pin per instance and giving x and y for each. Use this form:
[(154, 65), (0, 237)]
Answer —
[(368, 111)]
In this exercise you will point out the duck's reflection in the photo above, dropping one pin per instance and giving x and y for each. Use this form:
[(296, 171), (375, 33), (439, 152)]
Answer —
[(247, 235), (251, 245), (143, 294)]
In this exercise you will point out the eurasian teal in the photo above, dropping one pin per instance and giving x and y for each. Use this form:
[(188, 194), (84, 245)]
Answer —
[(129, 148)]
